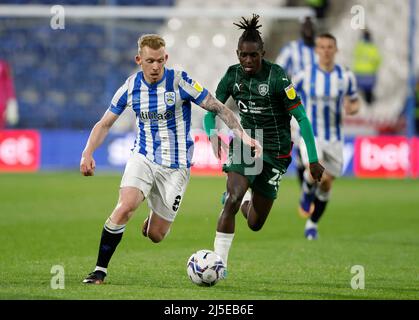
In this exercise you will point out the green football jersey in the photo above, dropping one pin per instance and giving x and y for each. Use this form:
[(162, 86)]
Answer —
[(264, 100)]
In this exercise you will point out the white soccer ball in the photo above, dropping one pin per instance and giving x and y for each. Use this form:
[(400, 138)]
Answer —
[(205, 268)]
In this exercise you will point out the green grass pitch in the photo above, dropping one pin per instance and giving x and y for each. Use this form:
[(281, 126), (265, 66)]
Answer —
[(52, 219)]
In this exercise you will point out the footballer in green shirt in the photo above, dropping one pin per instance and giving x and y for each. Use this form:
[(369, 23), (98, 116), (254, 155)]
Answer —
[(266, 99)]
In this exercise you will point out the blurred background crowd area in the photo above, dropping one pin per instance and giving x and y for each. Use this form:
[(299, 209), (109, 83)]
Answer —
[(65, 78)]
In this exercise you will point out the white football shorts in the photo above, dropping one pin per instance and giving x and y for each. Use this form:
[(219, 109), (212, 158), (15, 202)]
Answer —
[(330, 155), (162, 186)]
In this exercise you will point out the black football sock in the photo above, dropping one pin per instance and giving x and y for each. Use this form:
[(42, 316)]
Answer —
[(319, 208), (111, 236)]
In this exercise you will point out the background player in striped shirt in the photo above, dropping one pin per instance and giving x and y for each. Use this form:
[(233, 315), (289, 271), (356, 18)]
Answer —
[(267, 100), (294, 57), (327, 90), (158, 168)]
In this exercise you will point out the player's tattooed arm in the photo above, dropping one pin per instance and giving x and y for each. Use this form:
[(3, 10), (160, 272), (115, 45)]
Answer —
[(210, 103)]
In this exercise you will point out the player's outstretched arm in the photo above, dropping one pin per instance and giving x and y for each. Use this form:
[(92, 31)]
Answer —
[(212, 104), (316, 169), (97, 135)]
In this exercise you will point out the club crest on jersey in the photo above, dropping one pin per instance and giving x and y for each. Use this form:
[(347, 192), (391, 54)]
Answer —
[(170, 98), (263, 89), (290, 91)]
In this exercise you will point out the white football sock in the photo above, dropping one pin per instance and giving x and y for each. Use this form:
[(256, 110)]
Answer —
[(101, 269), (222, 244), (310, 224)]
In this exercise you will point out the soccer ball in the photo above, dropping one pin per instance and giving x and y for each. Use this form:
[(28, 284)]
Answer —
[(205, 268)]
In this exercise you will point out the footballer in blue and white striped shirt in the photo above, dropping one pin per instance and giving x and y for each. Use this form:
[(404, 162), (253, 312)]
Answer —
[(327, 90), (296, 55), (158, 168)]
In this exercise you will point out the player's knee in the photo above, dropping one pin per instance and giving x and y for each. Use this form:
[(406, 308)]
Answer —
[(323, 195), (255, 226), (126, 207), (156, 236), (326, 184), (234, 199)]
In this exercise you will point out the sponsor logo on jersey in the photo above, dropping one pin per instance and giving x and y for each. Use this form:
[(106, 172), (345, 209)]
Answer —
[(155, 116), (263, 89), (290, 91), (197, 86), (170, 98)]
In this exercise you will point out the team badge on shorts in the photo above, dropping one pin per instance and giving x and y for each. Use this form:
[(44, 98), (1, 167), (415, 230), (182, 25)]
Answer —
[(290, 91), (170, 98), (263, 89)]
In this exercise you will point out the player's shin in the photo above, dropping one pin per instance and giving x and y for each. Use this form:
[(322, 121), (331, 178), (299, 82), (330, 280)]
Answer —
[(111, 236), (307, 195), (320, 202)]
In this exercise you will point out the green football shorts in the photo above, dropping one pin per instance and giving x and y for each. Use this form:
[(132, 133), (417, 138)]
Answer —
[(264, 175)]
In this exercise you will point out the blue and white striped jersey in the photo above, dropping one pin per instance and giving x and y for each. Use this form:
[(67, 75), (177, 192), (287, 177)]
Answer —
[(322, 94), (296, 56), (163, 112)]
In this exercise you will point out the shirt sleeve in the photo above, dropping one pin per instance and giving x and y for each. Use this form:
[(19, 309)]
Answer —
[(306, 132), (209, 123), (352, 91), (120, 99), (288, 95), (223, 91), (191, 90)]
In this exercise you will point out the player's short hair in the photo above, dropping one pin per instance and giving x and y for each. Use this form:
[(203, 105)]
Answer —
[(251, 32), (153, 41), (328, 36)]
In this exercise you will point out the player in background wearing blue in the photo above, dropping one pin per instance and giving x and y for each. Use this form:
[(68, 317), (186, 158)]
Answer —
[(294, 57), (267, 101), (158, 168), (327, 90)]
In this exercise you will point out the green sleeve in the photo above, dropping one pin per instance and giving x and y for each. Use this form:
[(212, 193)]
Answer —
[(306, 132), (209, 122), (286, 91), (223, 89)]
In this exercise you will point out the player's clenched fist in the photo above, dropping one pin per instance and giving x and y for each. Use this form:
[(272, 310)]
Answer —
[(316, 170), (87, 165)]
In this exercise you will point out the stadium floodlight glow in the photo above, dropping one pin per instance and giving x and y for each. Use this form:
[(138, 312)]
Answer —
[(219, 40), (193, 41), (169, 39), (174, 24)]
